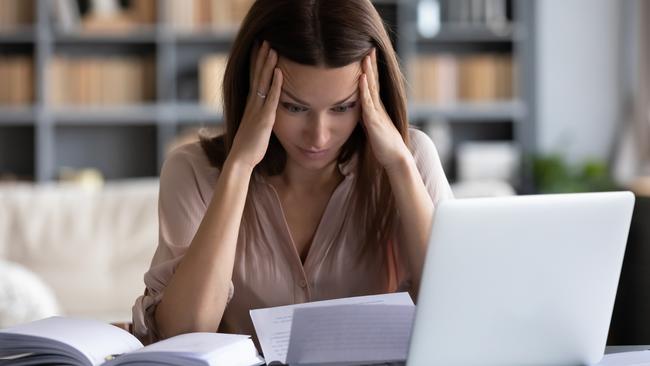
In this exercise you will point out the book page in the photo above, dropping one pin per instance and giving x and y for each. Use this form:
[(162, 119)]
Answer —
[(273, 325), (200, 348), (92, 339), (350, 334)]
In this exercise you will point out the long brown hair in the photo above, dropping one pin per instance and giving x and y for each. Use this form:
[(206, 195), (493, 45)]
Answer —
[(326, 33)]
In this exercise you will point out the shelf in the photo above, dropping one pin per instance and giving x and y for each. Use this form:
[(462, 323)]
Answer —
[(116, 151), (191, 113), (108, 136), (205, 36), (17, 115), (467, 33), (464, 111), (137, 36), (145, 114), (18, 35)]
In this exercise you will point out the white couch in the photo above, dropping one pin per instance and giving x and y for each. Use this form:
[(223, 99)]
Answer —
[(90, 246)]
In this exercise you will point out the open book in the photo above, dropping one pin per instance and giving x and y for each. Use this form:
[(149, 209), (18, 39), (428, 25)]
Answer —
[(85, 342), (349, 331)]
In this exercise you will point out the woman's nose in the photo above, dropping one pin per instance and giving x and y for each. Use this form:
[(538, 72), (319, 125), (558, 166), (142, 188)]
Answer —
[(317, 132)]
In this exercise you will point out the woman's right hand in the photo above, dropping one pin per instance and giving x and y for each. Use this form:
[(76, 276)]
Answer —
[(252, 137)]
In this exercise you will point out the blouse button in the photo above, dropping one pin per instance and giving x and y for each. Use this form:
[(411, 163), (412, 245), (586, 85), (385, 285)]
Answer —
[(303, 283)]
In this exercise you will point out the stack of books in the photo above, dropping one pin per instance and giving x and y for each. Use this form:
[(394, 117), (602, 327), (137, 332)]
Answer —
[(446, 79), (218, 15), (102, 81), (15, 14), (17, 79)]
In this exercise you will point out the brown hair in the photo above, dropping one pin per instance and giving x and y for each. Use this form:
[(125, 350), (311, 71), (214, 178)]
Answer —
[(327, 33)]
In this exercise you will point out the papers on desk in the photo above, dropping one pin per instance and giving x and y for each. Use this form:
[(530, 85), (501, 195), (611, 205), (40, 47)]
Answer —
[(363, 329), (637, 358)]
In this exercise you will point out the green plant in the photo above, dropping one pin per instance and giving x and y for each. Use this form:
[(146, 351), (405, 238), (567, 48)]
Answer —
[(554, 175)]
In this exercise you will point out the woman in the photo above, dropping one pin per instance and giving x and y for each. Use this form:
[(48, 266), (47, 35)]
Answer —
[(317, 190)]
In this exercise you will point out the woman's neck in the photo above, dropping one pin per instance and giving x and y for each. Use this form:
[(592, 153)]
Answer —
[(300, 180)]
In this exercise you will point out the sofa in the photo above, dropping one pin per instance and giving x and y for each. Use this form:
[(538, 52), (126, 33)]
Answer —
[(75, 250)]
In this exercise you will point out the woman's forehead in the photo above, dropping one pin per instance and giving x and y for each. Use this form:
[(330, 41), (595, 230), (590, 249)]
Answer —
[(319, 85)]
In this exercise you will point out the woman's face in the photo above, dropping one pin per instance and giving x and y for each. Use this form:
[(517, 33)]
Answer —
[(317, 112)]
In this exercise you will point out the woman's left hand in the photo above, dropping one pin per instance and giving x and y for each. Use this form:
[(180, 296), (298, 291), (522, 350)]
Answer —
[(385, 140)]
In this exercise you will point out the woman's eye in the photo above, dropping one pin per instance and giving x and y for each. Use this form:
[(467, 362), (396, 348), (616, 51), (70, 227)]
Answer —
[(344, 108), (293, 108)]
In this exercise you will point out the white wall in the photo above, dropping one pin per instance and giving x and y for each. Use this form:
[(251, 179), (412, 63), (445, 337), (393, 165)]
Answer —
[(577, 77)]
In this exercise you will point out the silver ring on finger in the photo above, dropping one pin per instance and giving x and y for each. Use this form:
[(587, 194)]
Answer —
[(261, 95)]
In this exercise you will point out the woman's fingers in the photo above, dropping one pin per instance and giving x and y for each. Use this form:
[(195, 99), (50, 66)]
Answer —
[(260, 58), (371, 77), (375, 67), (264, 80), (252, 62), (366, 99), (273, 96)]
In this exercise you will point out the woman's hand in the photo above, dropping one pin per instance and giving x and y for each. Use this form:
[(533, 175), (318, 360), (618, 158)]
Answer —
[(385, 140), (252, 138)]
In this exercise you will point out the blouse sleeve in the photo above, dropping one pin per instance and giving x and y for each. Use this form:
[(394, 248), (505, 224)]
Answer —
[(181, 208), (435, 181)]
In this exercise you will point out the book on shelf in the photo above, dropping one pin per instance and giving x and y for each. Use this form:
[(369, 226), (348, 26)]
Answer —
[(485, 78), (444, 79), (87, 342), (144, 11), (211, 72), (17, 75), (102, 81), (218, 15), (15, 14), (435, 79)]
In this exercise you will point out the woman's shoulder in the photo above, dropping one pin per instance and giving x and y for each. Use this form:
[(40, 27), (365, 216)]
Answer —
[(188, 164), (429, 165), (189, 154), (421, 145)]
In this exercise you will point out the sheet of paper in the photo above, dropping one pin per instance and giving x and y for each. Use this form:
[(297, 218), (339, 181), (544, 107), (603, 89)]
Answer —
[(273, 325), (350, 334), (637, 358)]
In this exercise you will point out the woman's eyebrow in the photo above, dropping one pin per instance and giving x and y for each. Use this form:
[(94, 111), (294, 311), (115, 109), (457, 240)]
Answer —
[(306, 104)]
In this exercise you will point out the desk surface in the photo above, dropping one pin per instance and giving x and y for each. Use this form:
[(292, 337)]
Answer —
[(619, 349)]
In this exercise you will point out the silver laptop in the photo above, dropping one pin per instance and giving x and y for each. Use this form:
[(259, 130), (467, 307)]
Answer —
[(527, 280)]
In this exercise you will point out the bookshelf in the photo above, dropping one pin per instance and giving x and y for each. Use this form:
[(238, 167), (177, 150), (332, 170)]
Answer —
[(41, 136)]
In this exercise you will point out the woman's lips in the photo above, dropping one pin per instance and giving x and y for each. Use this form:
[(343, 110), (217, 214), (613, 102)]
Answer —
[(314, 154)]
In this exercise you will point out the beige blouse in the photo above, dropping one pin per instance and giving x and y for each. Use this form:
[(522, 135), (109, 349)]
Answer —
[(268, 270)]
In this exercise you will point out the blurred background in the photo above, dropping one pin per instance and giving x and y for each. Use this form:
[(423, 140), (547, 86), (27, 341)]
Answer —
[(520, 97)]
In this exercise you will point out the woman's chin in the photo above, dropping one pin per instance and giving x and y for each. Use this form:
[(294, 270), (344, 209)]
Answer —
[(313, 161)]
